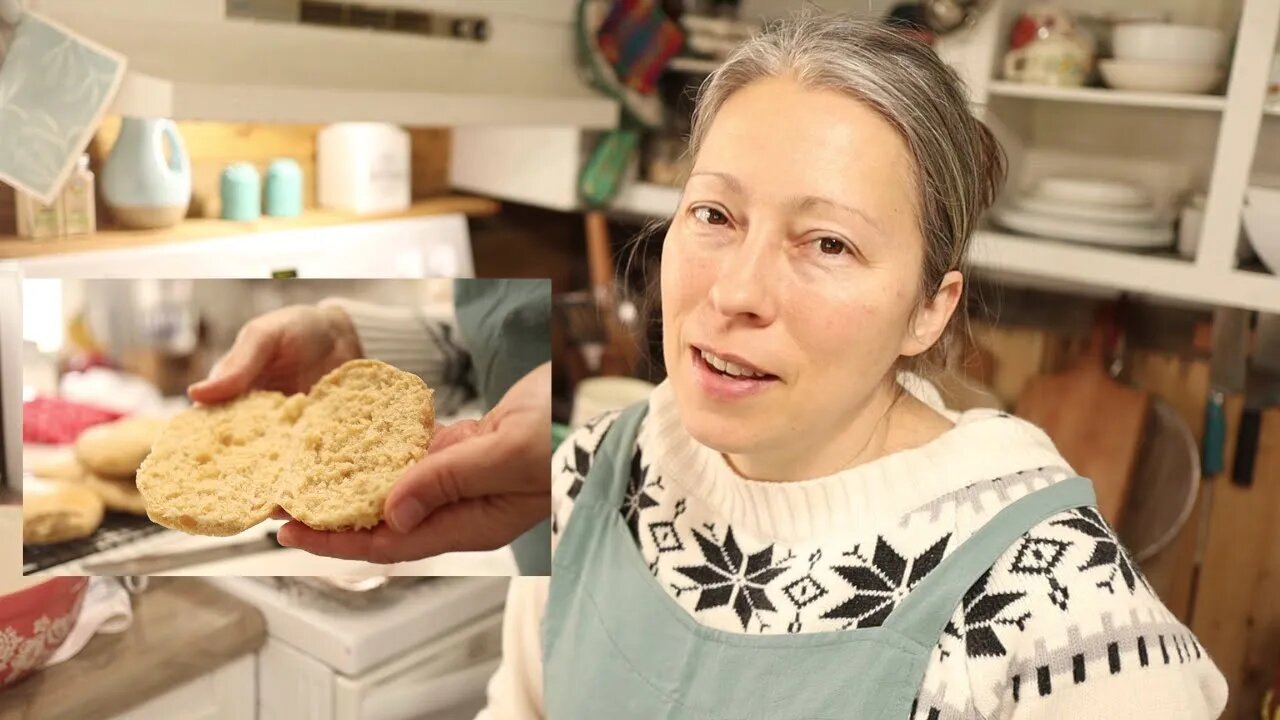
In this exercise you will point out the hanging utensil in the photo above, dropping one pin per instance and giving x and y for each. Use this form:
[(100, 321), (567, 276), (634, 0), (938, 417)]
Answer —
[(1227, 369), (1261, 391), (1165, 484)]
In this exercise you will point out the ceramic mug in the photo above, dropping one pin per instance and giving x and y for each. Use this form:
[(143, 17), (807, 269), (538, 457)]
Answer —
[(1056, 60)]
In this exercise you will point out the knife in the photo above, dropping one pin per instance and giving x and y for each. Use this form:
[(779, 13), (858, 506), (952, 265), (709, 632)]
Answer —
[(161, 562), (1262, 390), (1227, 368)]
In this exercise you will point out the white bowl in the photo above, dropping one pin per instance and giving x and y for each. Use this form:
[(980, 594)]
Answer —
[(1160, 76), (1162, 42), (1091, 191), (1262, 224)]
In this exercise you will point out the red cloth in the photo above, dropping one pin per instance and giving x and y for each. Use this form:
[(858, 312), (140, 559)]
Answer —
[(55, 421)]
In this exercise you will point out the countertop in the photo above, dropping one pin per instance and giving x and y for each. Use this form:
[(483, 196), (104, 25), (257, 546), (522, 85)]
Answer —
[(182, 629)]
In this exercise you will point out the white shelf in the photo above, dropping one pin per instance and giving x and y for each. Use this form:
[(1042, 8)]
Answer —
[(1000, 252), (1105, 268), (647, 199), (1106, 96), (238, 71), (694, 66)]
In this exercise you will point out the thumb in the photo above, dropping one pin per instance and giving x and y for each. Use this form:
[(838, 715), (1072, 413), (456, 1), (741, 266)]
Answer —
[(235, 372), (470, 468)]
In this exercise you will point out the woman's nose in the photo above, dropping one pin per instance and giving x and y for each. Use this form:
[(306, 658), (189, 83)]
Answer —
[(743, 283)]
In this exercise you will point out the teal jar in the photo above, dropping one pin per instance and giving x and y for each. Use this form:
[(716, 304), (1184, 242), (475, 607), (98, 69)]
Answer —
[(241, 192), (284, 188)]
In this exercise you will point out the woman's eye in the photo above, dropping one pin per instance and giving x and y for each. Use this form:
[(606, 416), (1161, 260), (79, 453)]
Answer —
[(710, 215), (831, 246)]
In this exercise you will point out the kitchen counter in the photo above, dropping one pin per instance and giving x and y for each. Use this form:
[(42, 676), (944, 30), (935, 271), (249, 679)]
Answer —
[(182, 629)]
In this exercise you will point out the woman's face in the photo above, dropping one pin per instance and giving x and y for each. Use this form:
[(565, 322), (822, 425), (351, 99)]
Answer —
[(790, 274)]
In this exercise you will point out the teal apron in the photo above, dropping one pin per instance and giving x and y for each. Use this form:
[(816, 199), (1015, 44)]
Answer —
[(506, 325), (616, 645)]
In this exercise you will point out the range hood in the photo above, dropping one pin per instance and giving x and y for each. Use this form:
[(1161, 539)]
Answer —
[(217, 60)]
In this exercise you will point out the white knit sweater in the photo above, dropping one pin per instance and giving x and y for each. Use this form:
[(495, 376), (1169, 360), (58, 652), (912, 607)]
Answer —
[(1063, 626)]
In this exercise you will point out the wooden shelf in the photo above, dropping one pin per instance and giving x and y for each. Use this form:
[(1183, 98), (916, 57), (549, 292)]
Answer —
[(205, 229), (1106, 96)]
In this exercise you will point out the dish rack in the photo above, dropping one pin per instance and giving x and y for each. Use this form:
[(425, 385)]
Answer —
[(117, 529)]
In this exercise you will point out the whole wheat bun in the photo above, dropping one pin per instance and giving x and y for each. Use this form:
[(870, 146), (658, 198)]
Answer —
[(363, 424), (58, 510), (116, 449), (329, 457), (119, 495)]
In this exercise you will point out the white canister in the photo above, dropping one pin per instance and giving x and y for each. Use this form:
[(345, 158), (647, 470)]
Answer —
[(599, 395), (363, 168)]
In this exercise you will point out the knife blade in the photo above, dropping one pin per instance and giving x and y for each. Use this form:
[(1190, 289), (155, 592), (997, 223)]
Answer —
[(1262, 390), (1227, 370), (161, 562)]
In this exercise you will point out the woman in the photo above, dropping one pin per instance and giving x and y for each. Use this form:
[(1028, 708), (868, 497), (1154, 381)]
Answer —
[(783, 531)]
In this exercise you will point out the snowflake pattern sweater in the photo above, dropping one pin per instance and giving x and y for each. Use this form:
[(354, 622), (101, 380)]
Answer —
[(1063, 626)]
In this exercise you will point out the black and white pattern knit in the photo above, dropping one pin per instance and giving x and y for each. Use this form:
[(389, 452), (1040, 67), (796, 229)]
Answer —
[(1062, 626)]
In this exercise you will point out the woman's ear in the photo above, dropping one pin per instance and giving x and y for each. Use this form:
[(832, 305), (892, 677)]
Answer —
[(931, 318)]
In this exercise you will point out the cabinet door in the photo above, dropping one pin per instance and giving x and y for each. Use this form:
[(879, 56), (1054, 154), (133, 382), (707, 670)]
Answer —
[(444, 680), (228, 692), (292, 685)]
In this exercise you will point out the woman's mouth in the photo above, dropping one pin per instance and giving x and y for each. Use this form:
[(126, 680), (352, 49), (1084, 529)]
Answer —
[(725, 379)]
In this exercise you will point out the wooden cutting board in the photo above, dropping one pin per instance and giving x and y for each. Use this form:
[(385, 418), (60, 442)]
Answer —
[(1096, 422)]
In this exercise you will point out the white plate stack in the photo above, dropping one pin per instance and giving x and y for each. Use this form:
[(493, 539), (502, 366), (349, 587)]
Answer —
[(1088, 210), (1161, 57)]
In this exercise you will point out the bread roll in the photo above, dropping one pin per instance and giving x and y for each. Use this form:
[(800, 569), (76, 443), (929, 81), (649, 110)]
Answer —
[(57, 511), (329, 457), (116, 449)]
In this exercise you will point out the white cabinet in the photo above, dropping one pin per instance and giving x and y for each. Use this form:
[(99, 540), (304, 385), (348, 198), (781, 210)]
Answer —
[(190, 60), (228, 692), (442, 680)]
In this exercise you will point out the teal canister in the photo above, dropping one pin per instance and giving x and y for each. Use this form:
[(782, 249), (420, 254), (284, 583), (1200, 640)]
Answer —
[(241, 191), (284, 188), (146, 179)]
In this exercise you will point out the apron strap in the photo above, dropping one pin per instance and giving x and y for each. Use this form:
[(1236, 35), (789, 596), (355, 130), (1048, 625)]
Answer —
[(606, 481), (924, 613)]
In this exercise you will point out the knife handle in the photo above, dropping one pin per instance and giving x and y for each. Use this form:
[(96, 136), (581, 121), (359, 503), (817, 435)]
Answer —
[(1215, 433), (1247, 447)]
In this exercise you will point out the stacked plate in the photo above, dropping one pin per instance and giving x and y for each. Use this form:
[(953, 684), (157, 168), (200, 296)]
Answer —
[(1161, 57), (1087, 210)]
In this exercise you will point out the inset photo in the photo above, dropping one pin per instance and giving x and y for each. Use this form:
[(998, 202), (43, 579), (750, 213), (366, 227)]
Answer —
[(281, 427)]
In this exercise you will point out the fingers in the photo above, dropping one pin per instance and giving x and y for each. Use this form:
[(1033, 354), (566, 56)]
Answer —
[(446, 435), (235, 372), (464, 470), (468, 526)]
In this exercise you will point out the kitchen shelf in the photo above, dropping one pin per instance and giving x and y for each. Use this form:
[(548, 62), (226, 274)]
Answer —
[(1106, 96), (647, 199), (281, 73), (693, 66), (12, 247), (1166, 276), (1006, 253)]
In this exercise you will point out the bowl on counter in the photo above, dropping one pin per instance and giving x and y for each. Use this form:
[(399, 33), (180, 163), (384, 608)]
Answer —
[(1154, 76), (1262, 224), (35, 617), (1169, 43)]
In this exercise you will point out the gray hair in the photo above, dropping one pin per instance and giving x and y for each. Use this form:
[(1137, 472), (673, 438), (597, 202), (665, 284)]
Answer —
[(959, 166)]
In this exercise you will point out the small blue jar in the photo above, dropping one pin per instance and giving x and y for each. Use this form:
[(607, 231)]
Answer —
[(284, 188), (241, 192)]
